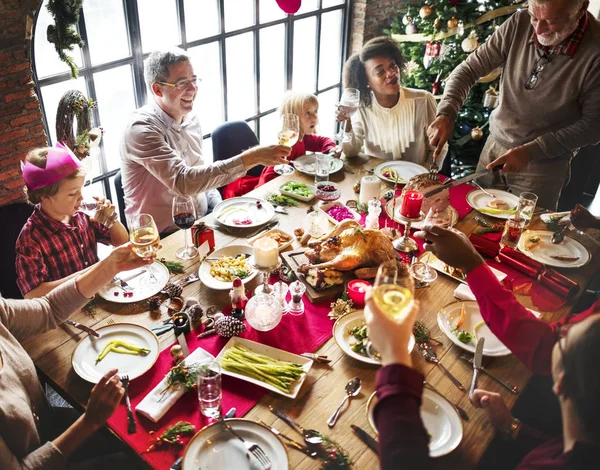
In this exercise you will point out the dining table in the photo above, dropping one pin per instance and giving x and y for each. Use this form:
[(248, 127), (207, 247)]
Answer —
[(323, 388)]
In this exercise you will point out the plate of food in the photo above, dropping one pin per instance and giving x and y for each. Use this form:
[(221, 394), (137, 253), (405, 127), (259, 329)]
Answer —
[(398, 171), (392, 207), (220, 269), (454, 273), (137, 280), (439, 418), (351, 335), (214, 447), (503, 206), (301, 191), (282, 238), (337, 212), (243, 212), (307, 163), (463, 324), (131, 348), (569, 253), (282, 371)]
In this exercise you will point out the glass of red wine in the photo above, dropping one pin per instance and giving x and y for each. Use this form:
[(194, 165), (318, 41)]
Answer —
[(184, 216)]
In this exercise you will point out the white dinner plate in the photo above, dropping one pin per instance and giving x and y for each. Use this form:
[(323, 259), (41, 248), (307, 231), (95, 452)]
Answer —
[(448, 316), (325, 207), (478, 200), (231, 212), (545, 249), (440, 266), (213, 447), (341, 333), (439, 418), (306, 164), (274, 353), (89, 348), (142, 289), (404, 170), (232, 250), (273, 231)]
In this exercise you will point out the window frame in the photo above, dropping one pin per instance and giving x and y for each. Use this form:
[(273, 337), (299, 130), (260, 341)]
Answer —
[(136, 61)]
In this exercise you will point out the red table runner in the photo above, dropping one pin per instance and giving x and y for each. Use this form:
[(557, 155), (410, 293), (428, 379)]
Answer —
[(296, 334)]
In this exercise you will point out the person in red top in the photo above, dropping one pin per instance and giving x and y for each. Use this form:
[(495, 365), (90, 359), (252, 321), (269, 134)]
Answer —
[(57, 241), (306, 107)]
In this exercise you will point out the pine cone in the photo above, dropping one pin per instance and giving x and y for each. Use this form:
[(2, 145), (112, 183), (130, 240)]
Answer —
[(195, 312), (173, 290), (229, 326), (154, 302)]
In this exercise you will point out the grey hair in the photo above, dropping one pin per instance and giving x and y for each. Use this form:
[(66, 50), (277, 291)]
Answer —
[(158, 63), (575, 6)]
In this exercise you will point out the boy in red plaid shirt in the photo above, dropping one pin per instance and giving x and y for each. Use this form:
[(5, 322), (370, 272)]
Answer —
[(58, 241)]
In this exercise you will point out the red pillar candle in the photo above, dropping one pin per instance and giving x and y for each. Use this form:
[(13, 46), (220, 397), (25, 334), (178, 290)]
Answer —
[(411, 204), (357, 290)]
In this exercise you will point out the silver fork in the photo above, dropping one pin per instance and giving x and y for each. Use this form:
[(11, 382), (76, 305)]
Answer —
[(189, 279), (433, 171), (131, 426), (429, 354), (254, 449)]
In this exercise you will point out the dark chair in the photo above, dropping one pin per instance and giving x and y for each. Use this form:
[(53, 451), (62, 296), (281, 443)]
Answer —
[(231, 139), (12, 219), (120, 198)]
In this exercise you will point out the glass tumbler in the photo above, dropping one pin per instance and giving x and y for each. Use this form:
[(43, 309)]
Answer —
[(209, 389), (526, 207)]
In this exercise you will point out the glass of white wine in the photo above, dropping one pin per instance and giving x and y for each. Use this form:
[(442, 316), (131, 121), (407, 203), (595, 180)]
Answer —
[(393, 290), (288, 135), (348, 105), (144, 236)]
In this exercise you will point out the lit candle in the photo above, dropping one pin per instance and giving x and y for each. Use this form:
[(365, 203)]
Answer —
[(266, 252), (411, 204), (370, 187), (357, 290)]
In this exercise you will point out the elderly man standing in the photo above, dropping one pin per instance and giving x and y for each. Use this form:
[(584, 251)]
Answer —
[(161, 149), (549, 100)]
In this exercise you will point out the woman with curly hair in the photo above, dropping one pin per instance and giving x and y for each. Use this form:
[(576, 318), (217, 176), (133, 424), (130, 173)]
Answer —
[(392, 120)]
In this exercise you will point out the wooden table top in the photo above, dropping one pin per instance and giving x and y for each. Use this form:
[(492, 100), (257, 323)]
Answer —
[(324, 387)]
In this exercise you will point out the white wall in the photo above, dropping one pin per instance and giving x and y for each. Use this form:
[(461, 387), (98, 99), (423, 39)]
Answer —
[(594, 8)]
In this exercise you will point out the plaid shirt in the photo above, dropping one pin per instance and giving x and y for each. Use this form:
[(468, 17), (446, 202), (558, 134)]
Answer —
[(48, 250), (570, 45)]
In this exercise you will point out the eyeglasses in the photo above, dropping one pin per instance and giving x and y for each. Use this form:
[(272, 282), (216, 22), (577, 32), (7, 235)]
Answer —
[(539, 66), (182, 84)]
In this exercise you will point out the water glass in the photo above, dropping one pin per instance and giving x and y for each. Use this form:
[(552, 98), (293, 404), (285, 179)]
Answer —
[(526, 207), (322, 163), (316, 223), (513, 229), (209, 389)]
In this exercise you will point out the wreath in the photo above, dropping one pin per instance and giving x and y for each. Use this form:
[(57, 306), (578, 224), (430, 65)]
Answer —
[(74, 105)]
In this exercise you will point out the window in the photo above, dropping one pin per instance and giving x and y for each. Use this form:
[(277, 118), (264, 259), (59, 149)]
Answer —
[(247, 53)]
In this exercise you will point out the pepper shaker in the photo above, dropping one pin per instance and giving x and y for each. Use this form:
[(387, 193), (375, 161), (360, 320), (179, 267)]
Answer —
[(297, 305)]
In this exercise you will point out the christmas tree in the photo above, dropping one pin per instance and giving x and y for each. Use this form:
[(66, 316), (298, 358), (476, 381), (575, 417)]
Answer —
[(435, 37)]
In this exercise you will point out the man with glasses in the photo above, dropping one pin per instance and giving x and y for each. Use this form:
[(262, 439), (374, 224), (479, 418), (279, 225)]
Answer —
[(549, 101), (161, 149)]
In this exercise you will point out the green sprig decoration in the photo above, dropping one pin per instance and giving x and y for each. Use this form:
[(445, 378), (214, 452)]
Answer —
[(90, 308), (363, 208), (172, 435), (63, 33), (334, 457), (422, 333), (174, 267), (186, 375)]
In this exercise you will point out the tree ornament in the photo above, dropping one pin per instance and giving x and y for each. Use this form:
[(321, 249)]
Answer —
[(406, 20), (411, 29), (477, 133), (173, 290), (452, 23), (437, 24), (154, 302), (425, 11), (464, 129), (432, 50), (176, 353), (470, 43), (461, 28), (410, 68), (339, 308), (490, 98)]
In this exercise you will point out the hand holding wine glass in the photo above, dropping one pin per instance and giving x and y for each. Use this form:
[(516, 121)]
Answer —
[(144, 236), (184, 216), (347, 106), (288, 135), (393, 290)]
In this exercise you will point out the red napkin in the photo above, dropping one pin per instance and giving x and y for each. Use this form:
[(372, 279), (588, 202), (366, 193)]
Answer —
[(558, 283), (522, 263), (485, 246)]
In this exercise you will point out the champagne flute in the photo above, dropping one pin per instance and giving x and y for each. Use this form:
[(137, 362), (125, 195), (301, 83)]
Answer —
[(184, 216), (144, 236), (288, 135), (348, 105), (393, 290)]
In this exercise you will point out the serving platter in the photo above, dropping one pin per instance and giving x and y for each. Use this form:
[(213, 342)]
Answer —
[(295, 195), (274, 233), (325, 208)]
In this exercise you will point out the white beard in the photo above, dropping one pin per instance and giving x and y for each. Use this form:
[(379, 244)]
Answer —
[(556, 38)]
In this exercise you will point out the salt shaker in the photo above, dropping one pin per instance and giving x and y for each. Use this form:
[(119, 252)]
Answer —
[(372, 220), (280, 290), (297, 305)]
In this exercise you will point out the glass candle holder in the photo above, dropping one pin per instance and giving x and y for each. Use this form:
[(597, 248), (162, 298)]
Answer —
[(357, 289), (513, 228), (411, 204), (263, 312)]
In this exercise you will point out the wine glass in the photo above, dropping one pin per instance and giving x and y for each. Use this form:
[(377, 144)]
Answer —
[(348, 105), (393, 290), (144, 236), (288, 135), (184, 216)]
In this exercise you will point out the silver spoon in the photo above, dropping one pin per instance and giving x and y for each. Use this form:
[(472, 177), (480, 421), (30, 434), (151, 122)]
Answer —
[(311, 437), (352, 389), (558, 237), (493, 196)]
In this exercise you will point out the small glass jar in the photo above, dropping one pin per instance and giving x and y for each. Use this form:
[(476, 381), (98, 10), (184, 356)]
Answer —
[(297, 290), (512, 231)]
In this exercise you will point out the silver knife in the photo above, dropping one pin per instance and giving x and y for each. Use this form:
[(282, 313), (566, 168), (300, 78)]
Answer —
[(291, 442), (476, 365), (84, 328), (369, 440), (464, 179), (263, 229), (509, 387)]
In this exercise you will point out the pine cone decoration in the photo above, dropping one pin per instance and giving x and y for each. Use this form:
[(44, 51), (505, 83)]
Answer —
[(195, 312), (229, 326), (173, 290), (154, 302)]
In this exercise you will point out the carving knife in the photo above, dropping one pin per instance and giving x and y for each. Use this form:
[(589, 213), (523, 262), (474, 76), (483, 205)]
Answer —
[(464, 179), (366, 438), (476, 365)]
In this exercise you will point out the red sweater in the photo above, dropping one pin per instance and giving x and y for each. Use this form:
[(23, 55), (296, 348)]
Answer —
[(402, 437), (309, 143)]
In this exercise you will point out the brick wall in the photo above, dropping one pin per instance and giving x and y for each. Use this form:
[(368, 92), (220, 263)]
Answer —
[(21, 124)]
